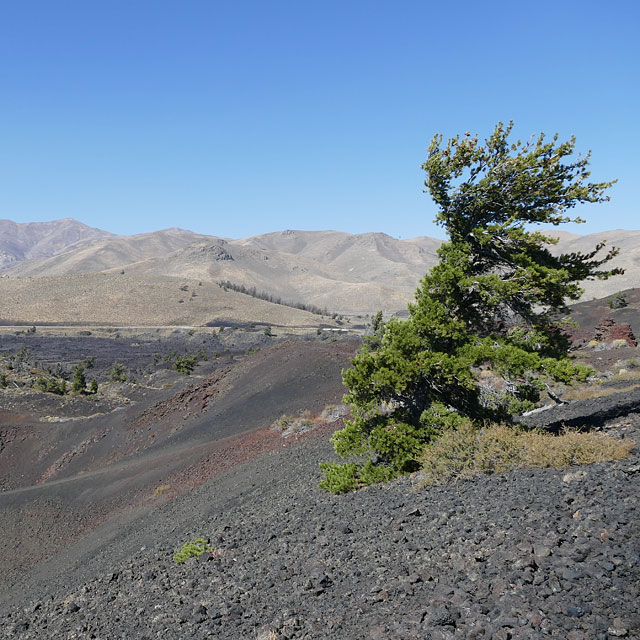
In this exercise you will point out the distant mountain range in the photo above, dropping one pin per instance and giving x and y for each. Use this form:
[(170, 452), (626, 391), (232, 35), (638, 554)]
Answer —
[(343, 272)]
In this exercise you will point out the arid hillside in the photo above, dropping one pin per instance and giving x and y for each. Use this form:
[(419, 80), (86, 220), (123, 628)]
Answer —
[(137, 300), (340, 272), (628, 243), (105, 253), (38, 240)]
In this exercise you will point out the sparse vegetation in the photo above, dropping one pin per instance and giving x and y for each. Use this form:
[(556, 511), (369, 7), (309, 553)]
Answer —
[(619, 301), (193, 549), (161, 490), (263, 295), (295, 424), (79, 382), (491, 303), (51, 385), (468, 451), (118, 372), (185, 364)]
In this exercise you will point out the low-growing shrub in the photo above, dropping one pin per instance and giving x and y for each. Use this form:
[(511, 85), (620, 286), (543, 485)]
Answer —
[(193, 549), (619, 342), (467, 451), (294, 424), (348, 476), (185, 364), (117, 373), (161, 490), (51, 385), (619, 301)]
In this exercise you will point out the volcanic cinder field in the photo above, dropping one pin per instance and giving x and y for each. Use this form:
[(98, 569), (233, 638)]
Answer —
[(99, 492), (212, 412)]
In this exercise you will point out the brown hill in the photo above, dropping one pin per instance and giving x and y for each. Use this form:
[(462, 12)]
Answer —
[(136, 300), (36, 240), (346, 273), (352, 274), (628, 242), (105, 253)]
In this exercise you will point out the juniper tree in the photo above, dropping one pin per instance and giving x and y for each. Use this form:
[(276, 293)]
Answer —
[(79, 382), (487, 311)]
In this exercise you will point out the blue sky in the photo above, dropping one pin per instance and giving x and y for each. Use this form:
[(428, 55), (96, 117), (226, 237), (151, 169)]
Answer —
[(238, 118)]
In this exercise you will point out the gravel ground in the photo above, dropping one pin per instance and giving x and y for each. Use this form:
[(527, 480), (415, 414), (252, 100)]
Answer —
[(528, 554)]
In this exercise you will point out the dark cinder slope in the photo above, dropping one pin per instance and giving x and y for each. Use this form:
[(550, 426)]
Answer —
[(528, 554), (92, 475)]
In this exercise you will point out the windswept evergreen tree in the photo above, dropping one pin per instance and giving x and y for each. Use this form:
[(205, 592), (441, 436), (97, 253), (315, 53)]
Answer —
[(488, 309)]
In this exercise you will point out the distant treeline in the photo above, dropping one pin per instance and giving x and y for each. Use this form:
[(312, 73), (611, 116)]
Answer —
[(263, 295)]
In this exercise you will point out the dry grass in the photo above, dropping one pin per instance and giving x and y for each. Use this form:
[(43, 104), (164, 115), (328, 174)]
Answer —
[(496, 449), (161, 490), (590, 391), (295, 424), (137, 300)]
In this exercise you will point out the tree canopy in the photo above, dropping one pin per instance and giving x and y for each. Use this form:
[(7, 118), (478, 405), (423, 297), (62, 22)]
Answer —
[(483, 338)]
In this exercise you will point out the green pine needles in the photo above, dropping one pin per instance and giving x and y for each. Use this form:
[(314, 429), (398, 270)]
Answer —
[(482, 339)]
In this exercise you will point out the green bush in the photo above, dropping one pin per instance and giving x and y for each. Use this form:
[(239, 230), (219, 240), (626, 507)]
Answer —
[(339, 478), (193, 549), (79, 383), (185, 364), (51, 385), (117, 373)]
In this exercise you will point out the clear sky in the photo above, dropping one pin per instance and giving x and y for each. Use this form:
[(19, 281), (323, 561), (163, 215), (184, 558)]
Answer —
[(241, 117)]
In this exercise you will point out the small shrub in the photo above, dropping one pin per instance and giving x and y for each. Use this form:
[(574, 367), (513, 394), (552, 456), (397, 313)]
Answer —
[(467, 451), (617, 344), (294, 424), (161, 490), (185, 364), (193, 549), (117, 373), (268, 332), (51, 385), (93, 387), (619, 301), (332, 413), (4, 381)]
